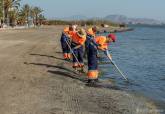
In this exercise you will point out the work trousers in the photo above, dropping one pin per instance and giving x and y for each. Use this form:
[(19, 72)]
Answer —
[(92, 62), (79, 55), (64, 45)]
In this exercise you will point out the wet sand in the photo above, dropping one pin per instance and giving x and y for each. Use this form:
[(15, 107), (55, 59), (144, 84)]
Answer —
[(34, 79)]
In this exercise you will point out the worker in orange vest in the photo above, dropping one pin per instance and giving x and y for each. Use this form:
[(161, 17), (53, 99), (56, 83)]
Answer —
[(91, 34), (92, 31), (102, 44), (66, 34), (78, 40)]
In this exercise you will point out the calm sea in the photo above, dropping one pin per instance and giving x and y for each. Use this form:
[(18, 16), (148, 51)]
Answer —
[(140, 54)]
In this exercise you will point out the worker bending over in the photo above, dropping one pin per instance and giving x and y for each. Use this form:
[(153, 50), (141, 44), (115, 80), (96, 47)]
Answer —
[(102, 44), (91, 34), (66, 34), (78, 40)]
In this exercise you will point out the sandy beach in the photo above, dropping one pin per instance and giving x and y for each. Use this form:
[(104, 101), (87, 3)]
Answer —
[(34, 79)]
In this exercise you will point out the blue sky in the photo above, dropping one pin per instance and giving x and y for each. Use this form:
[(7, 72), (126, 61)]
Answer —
[(99, 8)]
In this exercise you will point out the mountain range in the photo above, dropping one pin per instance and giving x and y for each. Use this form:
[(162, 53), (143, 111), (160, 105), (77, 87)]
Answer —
[(126, 20), (117, 19)]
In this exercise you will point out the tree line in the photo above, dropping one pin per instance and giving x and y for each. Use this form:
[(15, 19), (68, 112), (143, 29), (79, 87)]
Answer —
[(12, 14), (89, 22)]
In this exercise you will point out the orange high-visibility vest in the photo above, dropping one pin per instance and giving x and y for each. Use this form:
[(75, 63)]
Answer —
[(77, 39), (68, 32), (90, 32), (102, 41)]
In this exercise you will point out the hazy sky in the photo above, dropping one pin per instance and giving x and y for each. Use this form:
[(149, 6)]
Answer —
[(99, 8)]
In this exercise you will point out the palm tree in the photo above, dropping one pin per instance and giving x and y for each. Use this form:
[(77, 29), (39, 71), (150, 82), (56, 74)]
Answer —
[(13, 15), (21, 19), (9, 12), (25, 13), (41, 18), (10, 5), (1, 11), (35, 12), (1, 8)]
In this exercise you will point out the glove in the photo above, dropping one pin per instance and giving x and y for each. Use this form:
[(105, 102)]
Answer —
[(98, 55), (108, 54), (98, 45)]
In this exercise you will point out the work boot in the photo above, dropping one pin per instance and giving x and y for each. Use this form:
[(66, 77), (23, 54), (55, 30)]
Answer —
[(82, 70), (65, 59), (68, 60), (96, 80), (91, 81), (75, 68)]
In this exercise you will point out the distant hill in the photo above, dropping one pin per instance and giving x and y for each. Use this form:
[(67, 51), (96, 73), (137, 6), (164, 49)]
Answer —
[(117, 18), (75, 17), (126, 20)]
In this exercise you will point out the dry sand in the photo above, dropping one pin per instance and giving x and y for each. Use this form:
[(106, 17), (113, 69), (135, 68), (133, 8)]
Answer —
[(34, 79)]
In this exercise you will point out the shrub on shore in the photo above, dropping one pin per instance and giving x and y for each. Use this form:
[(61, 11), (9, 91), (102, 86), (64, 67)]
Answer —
[(81, 22)]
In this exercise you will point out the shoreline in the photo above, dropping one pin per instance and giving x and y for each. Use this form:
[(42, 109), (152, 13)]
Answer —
[(110, 29), (36, 80), (115, 30)]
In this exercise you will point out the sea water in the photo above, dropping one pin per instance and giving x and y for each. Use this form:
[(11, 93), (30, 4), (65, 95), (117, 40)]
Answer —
[(140, 54)]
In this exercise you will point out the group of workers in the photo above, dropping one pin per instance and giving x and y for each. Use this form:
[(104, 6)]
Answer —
[(76, 42)]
